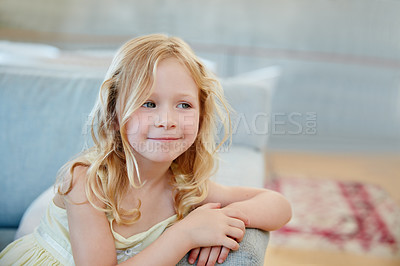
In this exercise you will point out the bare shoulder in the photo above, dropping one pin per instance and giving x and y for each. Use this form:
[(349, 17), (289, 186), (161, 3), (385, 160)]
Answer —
[(78, 183), (74, 185)]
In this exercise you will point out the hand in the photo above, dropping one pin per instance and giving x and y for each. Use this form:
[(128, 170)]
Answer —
[(209, 226), (208, 255)]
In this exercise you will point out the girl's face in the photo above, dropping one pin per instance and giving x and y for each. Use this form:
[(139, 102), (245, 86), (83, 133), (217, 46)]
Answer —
[(166, 125)]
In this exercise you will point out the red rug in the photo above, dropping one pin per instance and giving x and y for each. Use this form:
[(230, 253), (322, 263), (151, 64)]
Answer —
[(345, 216)]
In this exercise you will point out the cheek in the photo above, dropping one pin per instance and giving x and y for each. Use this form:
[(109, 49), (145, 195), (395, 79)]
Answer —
[(190, 123), (132, 126), (138, 124)]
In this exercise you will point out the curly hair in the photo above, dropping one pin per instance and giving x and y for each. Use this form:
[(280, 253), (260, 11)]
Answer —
[(112, 166)]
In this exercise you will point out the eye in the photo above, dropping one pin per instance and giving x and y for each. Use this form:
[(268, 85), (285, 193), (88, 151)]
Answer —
[(149, 105), (184, 105)]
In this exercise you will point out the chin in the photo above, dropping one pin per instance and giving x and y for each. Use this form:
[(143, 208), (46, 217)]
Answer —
[(162, 158), (162, 153)]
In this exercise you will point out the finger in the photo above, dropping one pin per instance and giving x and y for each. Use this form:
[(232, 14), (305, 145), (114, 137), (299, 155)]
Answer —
[(235, 213), (236, 223), (204, 254), (193, 255), (235, 233), (230, 243), (214, 253), (211, 205), (223, 254)]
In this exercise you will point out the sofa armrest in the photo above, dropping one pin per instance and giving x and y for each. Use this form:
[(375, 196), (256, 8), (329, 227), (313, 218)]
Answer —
[(251, 252)]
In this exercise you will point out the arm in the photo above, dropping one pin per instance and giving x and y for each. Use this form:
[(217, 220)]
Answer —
[(206, 226), (91, 239), (266, 209), (93, 244)]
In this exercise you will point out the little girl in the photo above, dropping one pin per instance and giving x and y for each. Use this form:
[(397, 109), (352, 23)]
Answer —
[(142, 195)]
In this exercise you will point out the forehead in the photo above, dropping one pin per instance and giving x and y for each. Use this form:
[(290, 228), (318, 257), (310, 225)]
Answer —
[(172, 76)]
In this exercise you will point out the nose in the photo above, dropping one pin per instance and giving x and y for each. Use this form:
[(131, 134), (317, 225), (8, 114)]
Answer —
[(166, 119)]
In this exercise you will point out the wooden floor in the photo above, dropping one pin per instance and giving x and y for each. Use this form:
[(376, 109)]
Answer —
[(383, 170)]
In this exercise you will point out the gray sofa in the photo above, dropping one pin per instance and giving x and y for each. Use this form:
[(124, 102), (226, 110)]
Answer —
[(43, 113)]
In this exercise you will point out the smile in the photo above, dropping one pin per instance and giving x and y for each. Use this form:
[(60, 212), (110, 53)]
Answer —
[(166, 139)]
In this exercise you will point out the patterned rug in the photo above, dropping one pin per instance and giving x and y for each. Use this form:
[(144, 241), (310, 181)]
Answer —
[(342, 216)]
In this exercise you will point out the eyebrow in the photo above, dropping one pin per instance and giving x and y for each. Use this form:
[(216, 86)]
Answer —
[(181, 94)]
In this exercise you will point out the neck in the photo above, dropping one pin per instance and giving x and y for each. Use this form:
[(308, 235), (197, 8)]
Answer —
[(153, 173)]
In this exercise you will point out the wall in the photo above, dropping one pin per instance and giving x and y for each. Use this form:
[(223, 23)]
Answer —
[(340, 59)]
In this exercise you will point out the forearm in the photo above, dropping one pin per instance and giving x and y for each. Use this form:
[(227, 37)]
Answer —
[(206, 226), (267, 211), (166, 250)]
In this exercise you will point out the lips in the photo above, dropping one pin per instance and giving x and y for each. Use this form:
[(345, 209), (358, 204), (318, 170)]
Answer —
[(164, 138)]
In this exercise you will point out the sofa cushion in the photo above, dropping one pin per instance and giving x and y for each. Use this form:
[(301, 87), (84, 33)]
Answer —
[(42, 112), (250, 96), (241, 166), (6, 236)]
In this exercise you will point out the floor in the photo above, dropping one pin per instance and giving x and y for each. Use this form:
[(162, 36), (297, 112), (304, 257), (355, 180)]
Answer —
[(383, 170)]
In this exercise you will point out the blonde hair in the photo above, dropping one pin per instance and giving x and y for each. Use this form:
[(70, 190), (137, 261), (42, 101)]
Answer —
[(112, 166)]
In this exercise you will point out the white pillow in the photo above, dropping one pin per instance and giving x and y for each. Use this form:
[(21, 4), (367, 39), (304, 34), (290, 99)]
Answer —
[(28, 54), (210, 65), (18, 53), (250, 95), (263, 76), (31, 218), (241, 166)]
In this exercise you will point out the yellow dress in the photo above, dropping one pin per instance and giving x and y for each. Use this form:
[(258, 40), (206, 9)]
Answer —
[(49, 244)]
